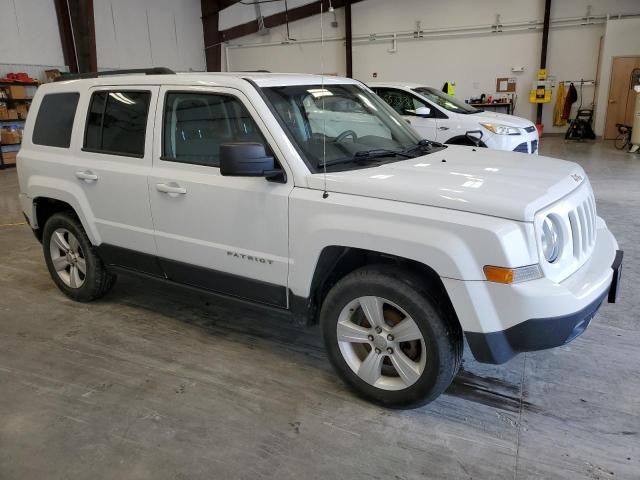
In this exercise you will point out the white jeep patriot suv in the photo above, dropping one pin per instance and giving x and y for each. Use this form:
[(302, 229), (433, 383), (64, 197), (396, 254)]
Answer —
[(251, 186)]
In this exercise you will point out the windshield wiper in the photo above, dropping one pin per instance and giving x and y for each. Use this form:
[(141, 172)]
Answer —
[(367, 156), (377, 153), (424, 144)]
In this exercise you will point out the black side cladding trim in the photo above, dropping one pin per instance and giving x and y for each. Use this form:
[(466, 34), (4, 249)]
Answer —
[(531, 335), (194, 276), (225, 283), (112, 255)]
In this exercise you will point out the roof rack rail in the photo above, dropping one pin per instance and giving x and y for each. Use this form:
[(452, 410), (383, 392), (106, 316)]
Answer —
[(146, 71)]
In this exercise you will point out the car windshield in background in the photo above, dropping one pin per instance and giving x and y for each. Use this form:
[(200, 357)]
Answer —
[(446, 101), (343, 126)]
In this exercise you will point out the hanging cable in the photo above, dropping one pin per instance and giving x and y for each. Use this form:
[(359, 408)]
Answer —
[(325, 194)]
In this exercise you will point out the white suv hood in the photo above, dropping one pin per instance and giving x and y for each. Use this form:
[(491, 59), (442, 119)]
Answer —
[(488, 182), (500, 119)]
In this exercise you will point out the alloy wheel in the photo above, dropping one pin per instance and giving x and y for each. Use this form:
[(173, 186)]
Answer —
[(381, 343), (68, 258)]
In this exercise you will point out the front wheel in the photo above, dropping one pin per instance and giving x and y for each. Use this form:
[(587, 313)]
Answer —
[(390, 340)]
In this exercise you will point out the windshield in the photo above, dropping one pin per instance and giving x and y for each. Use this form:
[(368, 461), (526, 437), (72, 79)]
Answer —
[(446, 101), (342, 126)]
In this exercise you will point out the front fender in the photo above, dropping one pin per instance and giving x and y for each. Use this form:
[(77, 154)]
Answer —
[(454, 244)]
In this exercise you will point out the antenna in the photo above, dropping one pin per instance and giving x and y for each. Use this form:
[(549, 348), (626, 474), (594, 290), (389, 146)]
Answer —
[(325, 194)]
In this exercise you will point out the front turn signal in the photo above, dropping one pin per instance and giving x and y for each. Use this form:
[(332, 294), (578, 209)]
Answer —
[(512, 275)]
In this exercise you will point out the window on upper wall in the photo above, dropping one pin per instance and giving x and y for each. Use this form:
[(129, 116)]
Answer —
[(117, 122), (196, 124), (54, 122)]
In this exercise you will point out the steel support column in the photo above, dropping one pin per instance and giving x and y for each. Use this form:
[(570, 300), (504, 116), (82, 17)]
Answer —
[(543, 53), (349, 37)]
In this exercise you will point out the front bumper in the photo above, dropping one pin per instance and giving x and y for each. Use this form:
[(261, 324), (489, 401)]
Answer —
[(524, 143), (501, 321), (539, 333)]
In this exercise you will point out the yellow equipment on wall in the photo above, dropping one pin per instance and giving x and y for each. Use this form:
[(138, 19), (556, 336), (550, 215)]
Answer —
[(561, 95), (449, 88), (541, 91)]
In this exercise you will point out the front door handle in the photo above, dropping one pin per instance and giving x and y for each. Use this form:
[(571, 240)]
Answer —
[(171, 188), (443, 128), (87, 175)]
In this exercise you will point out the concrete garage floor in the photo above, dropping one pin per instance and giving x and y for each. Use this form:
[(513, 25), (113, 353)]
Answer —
[(153, 382)]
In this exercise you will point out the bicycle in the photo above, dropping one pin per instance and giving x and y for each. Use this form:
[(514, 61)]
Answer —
[(623, 140)]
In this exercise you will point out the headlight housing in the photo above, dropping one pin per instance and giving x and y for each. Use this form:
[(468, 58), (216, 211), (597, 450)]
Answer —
[(551, 239), (501, 129)]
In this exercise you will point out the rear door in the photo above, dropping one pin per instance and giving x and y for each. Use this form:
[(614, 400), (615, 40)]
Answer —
[(112, 169), (224, 234)]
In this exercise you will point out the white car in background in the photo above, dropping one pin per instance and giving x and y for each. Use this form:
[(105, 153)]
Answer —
[(445, 119)]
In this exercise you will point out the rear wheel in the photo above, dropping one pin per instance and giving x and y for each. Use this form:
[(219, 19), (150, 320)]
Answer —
[(390, 340), (72, 261)]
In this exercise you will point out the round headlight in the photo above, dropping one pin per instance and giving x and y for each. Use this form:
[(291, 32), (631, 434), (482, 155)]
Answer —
[(550, 239)]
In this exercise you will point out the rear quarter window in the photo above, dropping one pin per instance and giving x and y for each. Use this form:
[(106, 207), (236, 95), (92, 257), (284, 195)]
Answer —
[(54, 122)]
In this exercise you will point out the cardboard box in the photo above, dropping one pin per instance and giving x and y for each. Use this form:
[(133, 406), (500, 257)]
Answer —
[(22, 111), (9, 158), (10, 136), (4, 112), (17, 92), (51, 75), (12, 114)]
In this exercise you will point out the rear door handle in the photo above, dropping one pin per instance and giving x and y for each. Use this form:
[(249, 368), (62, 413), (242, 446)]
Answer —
[(443, 128), (87, 175), (171, 188)]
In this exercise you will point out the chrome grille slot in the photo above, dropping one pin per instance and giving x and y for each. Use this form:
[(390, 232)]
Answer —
[(575, 234), (590, 222), (583, 227), (594, 216)]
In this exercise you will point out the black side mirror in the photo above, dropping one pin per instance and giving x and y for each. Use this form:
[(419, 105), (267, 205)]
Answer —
[(248, 160), (475, 137)]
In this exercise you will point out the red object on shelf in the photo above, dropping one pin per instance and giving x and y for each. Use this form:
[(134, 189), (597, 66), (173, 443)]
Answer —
[(20, 77)]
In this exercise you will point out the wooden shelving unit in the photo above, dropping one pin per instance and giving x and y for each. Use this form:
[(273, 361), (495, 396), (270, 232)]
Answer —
[(7, 150)]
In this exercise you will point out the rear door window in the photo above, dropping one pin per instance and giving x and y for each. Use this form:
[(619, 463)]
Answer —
[(54, 122), (117, 122)]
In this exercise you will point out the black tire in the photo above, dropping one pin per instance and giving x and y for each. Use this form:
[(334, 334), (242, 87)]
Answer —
[(97, 280), (432, 314), (621, 141)]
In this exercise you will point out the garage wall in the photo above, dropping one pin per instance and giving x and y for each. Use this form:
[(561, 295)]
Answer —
[(622, 37), (472, 62), (30, 39), (145, 33), (295, 56)]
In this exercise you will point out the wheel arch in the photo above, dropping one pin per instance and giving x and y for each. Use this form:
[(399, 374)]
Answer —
[(464, 141), (335, 262), (47, 203)]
